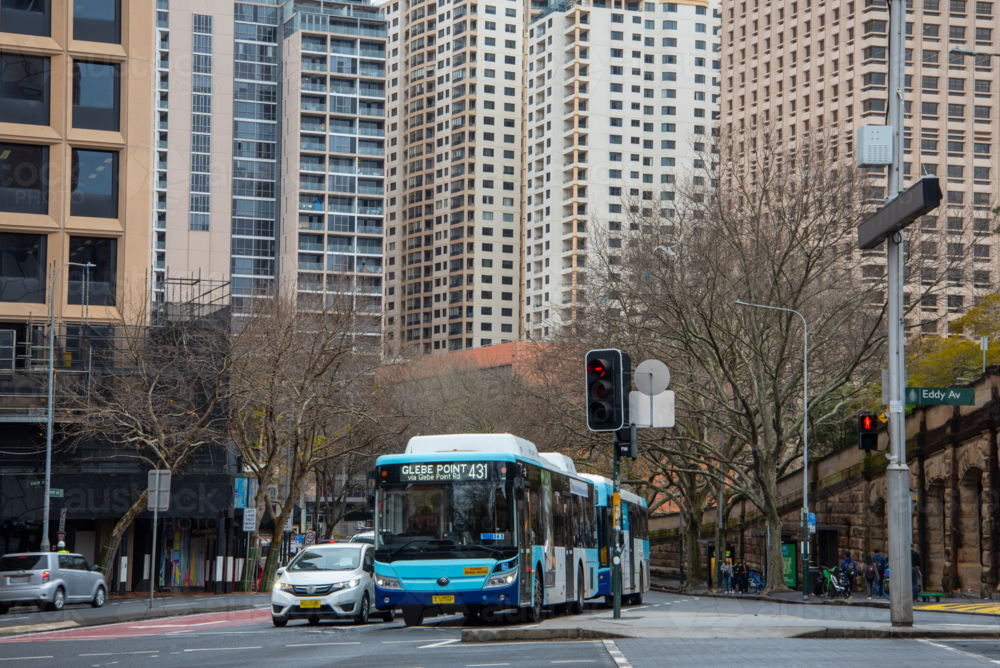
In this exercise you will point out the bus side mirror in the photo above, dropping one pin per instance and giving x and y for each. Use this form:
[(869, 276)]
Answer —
[(519, 489)]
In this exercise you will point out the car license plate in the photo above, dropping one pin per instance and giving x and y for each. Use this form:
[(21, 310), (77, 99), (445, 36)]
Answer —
[(442, 600), (18, 579), (310, 604)]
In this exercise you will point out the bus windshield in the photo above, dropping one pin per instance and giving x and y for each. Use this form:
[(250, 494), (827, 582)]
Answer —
[(442, 520)]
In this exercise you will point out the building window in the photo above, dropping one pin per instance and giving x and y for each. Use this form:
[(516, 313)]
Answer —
[(100, 278), (24, 89), (22, 268), (97, 21), (96, 92), (26, 17), (94, 184), (24, 178)]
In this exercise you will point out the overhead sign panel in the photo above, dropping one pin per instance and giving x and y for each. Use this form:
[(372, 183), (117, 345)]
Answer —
[(915, 201)]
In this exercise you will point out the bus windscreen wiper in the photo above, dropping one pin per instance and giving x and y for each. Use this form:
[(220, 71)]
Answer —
[(491, 550), (429, 541)]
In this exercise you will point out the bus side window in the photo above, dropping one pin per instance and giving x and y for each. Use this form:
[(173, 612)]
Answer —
[(535, 505)]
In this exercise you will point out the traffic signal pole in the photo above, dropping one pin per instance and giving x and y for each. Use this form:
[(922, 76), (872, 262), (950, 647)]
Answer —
[(897, 474), (616, 560)]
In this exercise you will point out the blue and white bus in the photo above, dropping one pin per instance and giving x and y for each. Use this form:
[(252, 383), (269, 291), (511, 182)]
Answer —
[(635, 541), (482, 523)]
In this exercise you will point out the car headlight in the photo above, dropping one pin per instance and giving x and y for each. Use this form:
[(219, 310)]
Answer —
[(387, 583), (347, 584), (282, 586), (501, 580)]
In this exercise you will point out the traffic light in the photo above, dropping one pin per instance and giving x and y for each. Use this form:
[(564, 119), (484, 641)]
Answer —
[(868, 432), (609, 379)]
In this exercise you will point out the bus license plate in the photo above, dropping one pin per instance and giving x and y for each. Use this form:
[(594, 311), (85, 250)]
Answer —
[(442, 600), (310, 604)]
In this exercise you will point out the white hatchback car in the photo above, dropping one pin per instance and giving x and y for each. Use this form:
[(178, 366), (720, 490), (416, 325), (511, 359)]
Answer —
[(332, 581)]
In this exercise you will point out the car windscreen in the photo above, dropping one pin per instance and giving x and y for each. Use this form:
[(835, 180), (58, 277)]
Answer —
[(327, 559), (24, 562)]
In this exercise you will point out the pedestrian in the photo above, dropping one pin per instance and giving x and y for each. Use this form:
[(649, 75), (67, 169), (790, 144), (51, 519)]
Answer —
[(727, 577), (848, 569), (741, 576), (915, 565), (870, 572)]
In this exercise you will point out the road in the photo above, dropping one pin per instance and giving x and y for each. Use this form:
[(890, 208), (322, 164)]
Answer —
[(247, 638)]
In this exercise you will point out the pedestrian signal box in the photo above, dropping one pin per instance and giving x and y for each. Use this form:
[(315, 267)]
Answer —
[(868, 432)]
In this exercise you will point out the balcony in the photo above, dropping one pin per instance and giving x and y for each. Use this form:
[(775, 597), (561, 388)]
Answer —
[(371, 190), (313, 87), (311, 167), (340, 249), (365, 150), (371, 72), (312, 145), (370, 171), (370, 229), (314, 127), (307, 246), (314, 67), (367, 111), (341, 208), (162, 104), (313, 106), (305, 265), (366, 91)]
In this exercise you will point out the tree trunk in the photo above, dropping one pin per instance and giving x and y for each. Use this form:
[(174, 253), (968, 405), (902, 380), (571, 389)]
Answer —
[(692, 531), (775, 563), (110, 547), (720, 534)]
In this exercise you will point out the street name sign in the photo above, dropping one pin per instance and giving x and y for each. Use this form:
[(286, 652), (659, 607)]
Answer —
[(941, 396)]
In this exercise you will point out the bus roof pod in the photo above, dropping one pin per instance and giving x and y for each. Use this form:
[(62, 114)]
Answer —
[(472, 443), (560, 461)]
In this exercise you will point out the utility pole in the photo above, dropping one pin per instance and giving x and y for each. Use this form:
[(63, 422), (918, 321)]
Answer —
[(897, 474), (616, 513)]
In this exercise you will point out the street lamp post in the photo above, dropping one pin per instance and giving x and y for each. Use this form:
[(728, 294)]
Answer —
[(805, 440), (46, 502)]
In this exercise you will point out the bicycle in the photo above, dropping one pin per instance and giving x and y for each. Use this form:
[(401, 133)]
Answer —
[(754, 583)]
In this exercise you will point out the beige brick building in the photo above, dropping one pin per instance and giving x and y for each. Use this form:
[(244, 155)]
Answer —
[(76, 108), (812, 66)]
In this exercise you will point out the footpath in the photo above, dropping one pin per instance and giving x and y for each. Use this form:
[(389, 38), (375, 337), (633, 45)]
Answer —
[(21, 620), (780, 615)]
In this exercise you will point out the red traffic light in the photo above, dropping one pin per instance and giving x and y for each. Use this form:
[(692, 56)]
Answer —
[(866, 422), (597, 368)]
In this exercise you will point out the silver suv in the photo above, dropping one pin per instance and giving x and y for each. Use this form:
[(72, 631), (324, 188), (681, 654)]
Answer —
[(49, 580)]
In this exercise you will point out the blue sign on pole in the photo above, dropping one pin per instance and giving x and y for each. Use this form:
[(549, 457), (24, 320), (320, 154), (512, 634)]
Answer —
[(812, 522), (240, 493)]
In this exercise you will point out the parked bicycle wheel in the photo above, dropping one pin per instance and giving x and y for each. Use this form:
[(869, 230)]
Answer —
[(885, 588)]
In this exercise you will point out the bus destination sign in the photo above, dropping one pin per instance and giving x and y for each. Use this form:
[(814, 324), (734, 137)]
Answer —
[(444, 471)]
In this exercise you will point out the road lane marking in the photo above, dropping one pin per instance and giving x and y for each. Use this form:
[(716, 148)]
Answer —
[(484, 665), (217, 649), (441, 643), (117, 653), (574, 661), (959, 651), (314, 644), (24, 658)]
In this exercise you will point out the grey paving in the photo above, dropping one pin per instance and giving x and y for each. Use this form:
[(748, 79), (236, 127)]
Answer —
[(768, 653)]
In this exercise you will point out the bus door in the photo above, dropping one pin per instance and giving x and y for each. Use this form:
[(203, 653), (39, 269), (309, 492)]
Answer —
[(628, 569), (525, 568), (569, 516)]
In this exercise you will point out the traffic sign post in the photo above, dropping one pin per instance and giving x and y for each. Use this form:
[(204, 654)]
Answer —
[(249, 519), (157, 499)]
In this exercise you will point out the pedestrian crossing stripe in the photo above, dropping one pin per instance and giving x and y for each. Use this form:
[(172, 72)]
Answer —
[(982, 608)]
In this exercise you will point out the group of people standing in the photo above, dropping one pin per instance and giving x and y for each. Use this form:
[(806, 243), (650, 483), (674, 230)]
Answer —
[(735, 577), (873, 570)]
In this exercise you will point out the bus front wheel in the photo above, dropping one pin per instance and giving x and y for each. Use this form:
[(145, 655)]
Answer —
[(535, 611), (413, 616)]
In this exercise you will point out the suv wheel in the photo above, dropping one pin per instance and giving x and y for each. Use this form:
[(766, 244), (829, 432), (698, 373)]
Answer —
[(99, 598), (389, 616), (57, 602), (277, 621)]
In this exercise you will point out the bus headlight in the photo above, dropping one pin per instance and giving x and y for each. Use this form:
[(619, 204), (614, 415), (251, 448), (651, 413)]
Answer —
[(501, 580), (387, 583)]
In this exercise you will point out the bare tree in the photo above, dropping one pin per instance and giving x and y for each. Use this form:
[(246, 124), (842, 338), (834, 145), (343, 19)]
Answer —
[(160, 389), (309, 392)]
